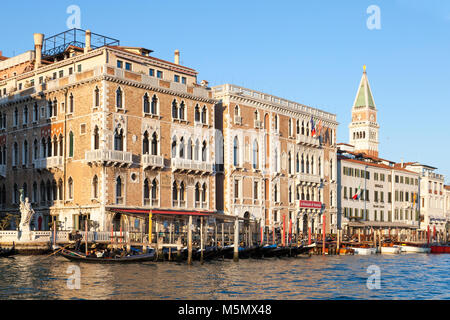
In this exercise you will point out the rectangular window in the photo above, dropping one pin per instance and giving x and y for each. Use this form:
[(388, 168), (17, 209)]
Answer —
[(54, 75), (389, 197), (159, 74), (375, 196), (151, 72), (345, 193), (183, 80), (119, 64), (61, 73), (176, 78), (79, 68), (128, 66), (70, 71)]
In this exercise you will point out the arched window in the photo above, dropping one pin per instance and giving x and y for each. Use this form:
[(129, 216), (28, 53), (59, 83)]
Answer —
[(197, 195), (174, 109), (55, 146), (182, 147), (71, 103), (48, 188), (145, 144), (25, 190), (25, 115), (154, 106), (16, 117), (289, 163), (146, 103), (197, 113), (290, 194), (60, 189), (34, 196), (61, 144), (70, 188), (43, 148), (55, 108), (276, 160), (275, 193), (95, 187), (146, 193), (312, 165), (49, 109), (182, 109), (276, 122), (35, 149), (307, 164), (15, 159), (71, 146), (204, 195), (175, 194), (119, 190), (154, 192), (236, 111), (96, 138), (49, 147), (54, 190), (182, 194), (204, 115), (291, 132), (297, 163), (16, 193), (196, 150), (35, 112), (189, 148), (307, 128), (204, 151), (119, 98), (303, 164), (236, 152), (303, 127), (118, 139), (256, 115), (42, 191), (298, 126), (255, 155), (96, 97), (25, 153), (154, 144), (174, 147)]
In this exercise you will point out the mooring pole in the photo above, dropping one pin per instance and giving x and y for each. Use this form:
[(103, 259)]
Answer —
[(323, 234), (201, 240), (236, 240), (86, 235), (190, 241), (338, 240), (150, 227)]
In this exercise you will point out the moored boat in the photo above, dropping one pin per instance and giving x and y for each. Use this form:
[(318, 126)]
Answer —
[(391, 250), (440, 249), (364, 251), (4, 253), (76, 256), (408, 248)]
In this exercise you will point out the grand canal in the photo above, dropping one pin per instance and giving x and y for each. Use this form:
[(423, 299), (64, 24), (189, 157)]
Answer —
[(416, 276)]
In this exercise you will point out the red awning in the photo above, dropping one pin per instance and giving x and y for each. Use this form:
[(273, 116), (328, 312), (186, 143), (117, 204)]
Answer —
[(167, 212)]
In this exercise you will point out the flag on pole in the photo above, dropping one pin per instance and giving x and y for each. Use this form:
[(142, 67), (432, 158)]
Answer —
[(358, 194), (313, 129)]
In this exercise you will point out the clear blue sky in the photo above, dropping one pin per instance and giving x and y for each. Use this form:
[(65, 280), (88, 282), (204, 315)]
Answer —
[(308, 51)]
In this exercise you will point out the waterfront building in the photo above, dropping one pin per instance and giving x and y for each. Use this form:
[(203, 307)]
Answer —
[(98, 131), (279, 161), (432, 198), (447, 206), (373, 192)]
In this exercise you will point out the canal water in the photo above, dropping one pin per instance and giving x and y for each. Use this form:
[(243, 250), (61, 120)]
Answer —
[(406, 276)]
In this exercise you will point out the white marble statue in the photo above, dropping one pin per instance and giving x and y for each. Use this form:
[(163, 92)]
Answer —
[(26, 214)]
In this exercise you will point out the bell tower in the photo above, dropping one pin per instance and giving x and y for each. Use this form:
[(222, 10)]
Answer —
[(364, 126)]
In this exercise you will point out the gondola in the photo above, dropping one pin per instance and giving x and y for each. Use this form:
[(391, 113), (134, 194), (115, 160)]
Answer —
[(76, 256), (5, 253), (209, 253)]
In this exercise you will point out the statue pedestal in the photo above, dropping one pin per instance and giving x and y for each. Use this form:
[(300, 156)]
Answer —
[(25, 234)]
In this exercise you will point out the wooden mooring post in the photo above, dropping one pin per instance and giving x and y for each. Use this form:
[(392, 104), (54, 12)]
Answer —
[(201, 240), (236, 240), (189, 260)]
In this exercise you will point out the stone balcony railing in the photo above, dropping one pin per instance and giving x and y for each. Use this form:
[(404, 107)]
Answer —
[(306, 178), (109, 157), (3, 170), (307, 140), (152, 161), (191, 166), (49, 162)]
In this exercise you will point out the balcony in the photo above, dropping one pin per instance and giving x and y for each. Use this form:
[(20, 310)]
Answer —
[(238, 120), (308, 179), (3, 171), (191, 166), (152, 161), (308, 141), (48, 163), (258, 124), (109, 157)]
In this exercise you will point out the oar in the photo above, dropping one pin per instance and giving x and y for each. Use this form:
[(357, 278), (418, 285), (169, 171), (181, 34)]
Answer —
[(76, 254), (58, 250)]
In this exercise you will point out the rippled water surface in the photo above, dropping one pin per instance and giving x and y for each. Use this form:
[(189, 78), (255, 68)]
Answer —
[(416, 276)]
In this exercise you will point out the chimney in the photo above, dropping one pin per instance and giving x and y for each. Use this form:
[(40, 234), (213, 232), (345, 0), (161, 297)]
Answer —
[(87, 45), (38, 40), (177, 56)]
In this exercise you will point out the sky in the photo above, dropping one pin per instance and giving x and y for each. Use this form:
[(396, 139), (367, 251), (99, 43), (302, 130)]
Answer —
[(311, 52)]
